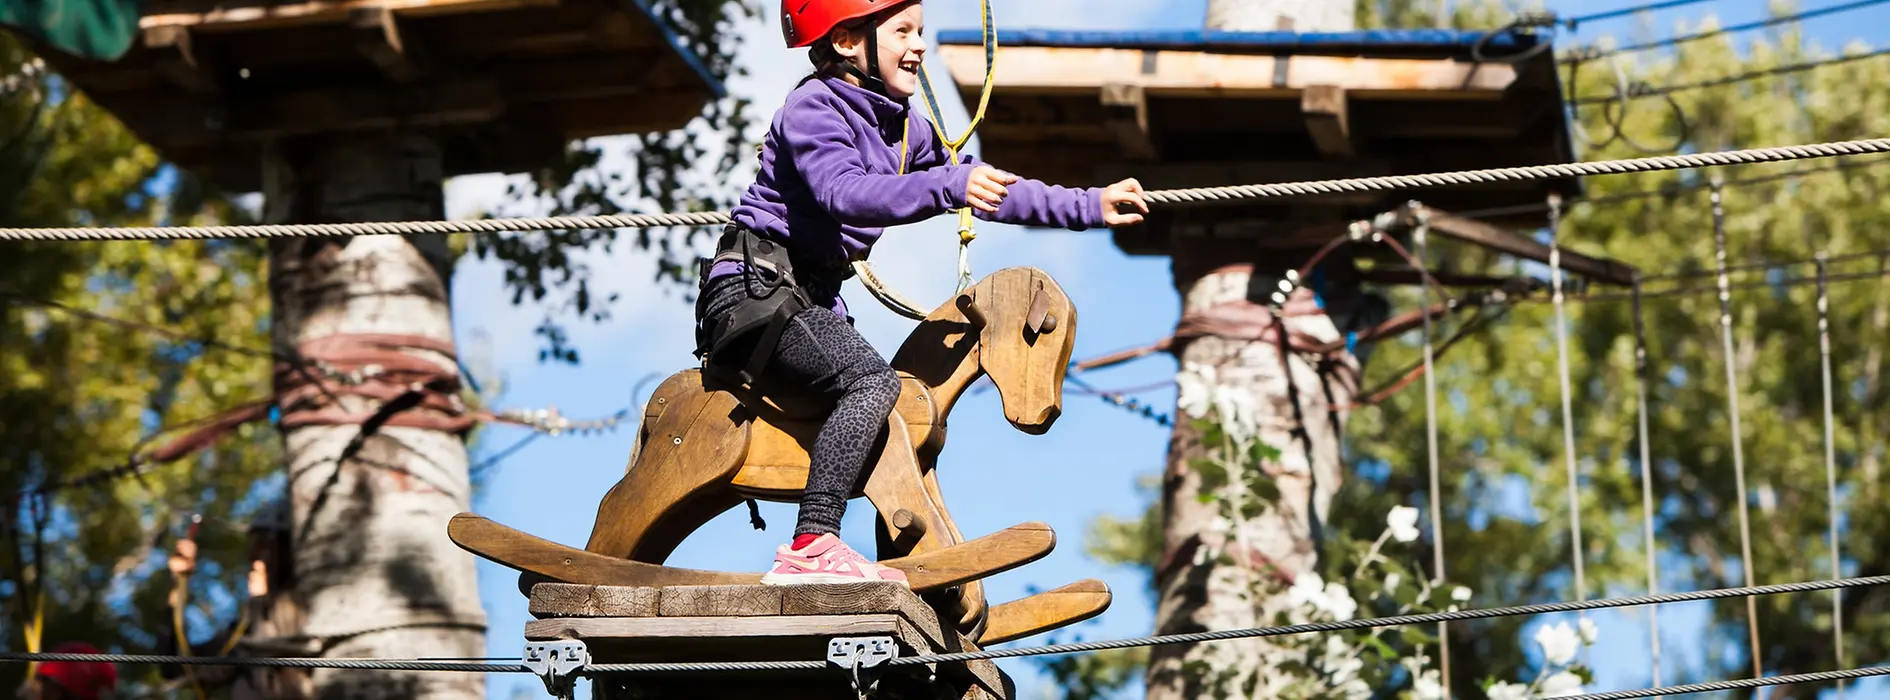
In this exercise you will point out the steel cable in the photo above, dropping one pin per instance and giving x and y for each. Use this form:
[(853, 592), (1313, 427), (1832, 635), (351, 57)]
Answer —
[(1398, 620), (1820, 676), (1178, 196)]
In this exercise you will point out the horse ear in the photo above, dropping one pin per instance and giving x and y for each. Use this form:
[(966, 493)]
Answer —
[(969, 306), (1039, 315)]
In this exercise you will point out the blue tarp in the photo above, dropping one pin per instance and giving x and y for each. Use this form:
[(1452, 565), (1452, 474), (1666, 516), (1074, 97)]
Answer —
[(1437, 39)]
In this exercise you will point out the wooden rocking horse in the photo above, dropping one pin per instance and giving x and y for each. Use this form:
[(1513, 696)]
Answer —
[(704, 449)]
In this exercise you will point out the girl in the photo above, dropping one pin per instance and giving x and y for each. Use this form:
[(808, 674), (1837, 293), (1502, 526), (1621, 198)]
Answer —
[(843, 159)]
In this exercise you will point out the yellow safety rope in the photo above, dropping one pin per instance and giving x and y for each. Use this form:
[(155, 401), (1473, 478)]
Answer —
[(33, 629), (879, 289), (965, 219)]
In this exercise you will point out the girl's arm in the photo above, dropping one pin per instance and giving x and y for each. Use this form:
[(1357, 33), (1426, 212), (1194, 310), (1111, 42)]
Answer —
[(1027, 202), (821, 144)]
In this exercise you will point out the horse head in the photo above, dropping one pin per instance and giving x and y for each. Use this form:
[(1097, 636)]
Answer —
[(1026, 330)]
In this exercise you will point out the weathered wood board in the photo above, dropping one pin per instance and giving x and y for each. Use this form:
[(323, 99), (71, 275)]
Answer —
[(622, 624)]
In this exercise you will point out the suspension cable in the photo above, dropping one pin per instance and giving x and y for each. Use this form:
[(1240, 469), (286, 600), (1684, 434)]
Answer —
[(1732, 406), (1647, 477), (1422, 238), (1580, 56), (1568, 411), (1830, 459)]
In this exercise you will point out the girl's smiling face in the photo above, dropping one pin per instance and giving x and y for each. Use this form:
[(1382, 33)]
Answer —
[(901, 49)]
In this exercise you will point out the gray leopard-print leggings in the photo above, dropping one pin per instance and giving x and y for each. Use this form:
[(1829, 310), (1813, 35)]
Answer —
[(820, 355)]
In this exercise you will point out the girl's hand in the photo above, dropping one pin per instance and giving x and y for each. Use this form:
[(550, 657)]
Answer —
[(1127, 192), (986, 189)]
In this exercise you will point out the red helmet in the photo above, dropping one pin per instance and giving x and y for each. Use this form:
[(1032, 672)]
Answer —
[(804, 22), (88, 680)]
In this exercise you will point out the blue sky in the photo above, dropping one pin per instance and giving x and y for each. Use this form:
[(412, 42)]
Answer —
[(993, 476)]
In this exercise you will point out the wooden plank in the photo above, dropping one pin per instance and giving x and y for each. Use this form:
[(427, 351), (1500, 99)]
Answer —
[(868, 597), (626, 114), (720, 601), (246, 15), (161, 119), (1327, 120), (377, 36), (1486, 235), (179, 61), (652, 630), (1187, 175), (1125, 114), (1029, 69), (575, 600)]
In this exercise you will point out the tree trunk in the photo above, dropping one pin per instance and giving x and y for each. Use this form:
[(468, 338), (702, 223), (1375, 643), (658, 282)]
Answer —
[(1301, 413), (373, 563)]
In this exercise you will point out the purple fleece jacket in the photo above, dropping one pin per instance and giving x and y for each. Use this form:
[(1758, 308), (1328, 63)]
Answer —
[(829, 183)]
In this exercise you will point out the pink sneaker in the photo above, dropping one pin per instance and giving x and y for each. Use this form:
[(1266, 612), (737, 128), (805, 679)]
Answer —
[(826, 560)]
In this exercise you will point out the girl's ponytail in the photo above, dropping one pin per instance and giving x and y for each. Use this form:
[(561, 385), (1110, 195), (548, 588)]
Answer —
[(828, 63)]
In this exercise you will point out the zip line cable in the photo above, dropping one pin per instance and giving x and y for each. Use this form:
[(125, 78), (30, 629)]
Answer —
[(422, 664), (1675, 189), (1177, 196), (1818, 677), (1644, 90), (1578, 20), (1582, 56)]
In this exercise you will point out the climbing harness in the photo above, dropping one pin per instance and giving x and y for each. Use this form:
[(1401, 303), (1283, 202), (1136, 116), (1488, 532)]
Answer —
[(767, 310)]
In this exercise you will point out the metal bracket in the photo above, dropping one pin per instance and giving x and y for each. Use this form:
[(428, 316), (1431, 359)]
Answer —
[(857, 654), (557, 664)]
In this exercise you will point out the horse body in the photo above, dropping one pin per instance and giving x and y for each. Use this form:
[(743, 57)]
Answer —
[(705, 447)]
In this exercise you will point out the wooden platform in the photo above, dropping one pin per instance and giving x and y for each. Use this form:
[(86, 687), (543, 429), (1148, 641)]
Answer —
[(505, 82), (1191, 109), (621, 624)]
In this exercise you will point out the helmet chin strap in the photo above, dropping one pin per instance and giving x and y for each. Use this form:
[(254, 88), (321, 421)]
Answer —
[(870, 78)]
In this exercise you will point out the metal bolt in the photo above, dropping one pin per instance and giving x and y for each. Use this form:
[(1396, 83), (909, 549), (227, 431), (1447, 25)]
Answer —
[(676, 440)]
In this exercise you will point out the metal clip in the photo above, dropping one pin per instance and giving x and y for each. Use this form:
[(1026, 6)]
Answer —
[(557, 664), (862, 653)]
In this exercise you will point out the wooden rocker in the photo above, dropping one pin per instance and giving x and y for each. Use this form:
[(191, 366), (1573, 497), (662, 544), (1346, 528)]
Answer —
[(704, 448)]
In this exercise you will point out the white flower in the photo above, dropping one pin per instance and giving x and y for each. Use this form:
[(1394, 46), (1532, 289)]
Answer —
[(1561, 685), (1391, 582), (1220, 525), (1339, 601), (1403, 523), (1341, 661), (1194, 386), (1308, 588), (1589, 631), (1239, 411), (1509, 691), (1558, 643), (1462, 594), (1427, 686)]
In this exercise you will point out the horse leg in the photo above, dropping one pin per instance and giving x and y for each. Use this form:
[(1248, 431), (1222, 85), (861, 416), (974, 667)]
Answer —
[(897, 491), (970, 605), (913, 518), (680, 479)]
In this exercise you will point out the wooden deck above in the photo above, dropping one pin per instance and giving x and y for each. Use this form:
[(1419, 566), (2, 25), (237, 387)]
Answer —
[(508, 82), (676, 624), (1193, 109)]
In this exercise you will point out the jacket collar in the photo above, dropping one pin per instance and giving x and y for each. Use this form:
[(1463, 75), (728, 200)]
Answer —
[(877, 109)]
